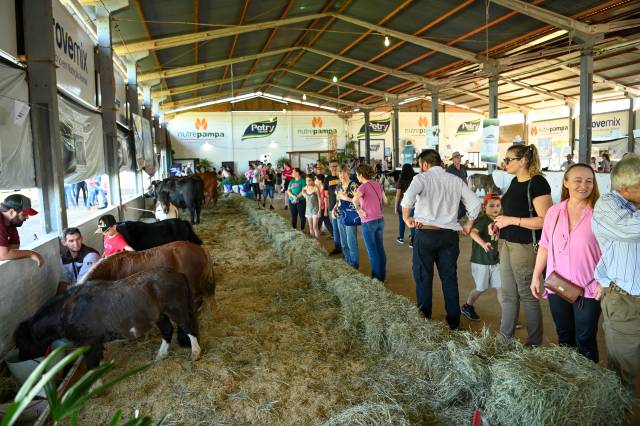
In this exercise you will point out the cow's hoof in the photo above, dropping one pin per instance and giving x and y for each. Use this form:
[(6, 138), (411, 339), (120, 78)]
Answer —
[(195, 355)]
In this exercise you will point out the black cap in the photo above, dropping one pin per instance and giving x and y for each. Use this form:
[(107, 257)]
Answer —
[(19, 203), (105, 222)]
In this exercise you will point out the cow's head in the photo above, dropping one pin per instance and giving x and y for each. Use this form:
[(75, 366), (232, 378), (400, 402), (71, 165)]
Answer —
[(28, 346), (154, 190)]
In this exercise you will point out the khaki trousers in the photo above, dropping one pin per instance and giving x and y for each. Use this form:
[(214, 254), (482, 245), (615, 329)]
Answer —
[(516, 269), (621, 314)]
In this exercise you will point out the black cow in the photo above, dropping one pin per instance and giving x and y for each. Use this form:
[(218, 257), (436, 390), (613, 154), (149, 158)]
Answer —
[(184, 192), (99, 311), (143, 236)]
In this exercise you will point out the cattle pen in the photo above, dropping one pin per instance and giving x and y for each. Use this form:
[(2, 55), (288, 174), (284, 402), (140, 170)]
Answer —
[(295, 338)]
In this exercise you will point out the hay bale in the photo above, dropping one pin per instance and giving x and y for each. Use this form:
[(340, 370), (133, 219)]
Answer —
[(554, 385), (370, 413)]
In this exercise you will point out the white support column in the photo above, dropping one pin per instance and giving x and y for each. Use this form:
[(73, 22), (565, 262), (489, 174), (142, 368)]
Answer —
[(586, 99)]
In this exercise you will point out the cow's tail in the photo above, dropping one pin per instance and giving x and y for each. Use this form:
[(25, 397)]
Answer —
[(193, 237), (208, 278)]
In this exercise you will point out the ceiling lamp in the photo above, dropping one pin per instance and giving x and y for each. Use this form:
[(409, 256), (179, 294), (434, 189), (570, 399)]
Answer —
[(304, 96), (334, 79), (387, 42)]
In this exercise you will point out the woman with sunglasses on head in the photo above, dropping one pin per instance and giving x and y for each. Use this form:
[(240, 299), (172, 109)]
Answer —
[(524, 206), (569, 248)]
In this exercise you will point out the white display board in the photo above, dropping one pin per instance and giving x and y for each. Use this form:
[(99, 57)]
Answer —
[(8, 27), (16, 146), (551, 137), (611, 125), (74, 52)]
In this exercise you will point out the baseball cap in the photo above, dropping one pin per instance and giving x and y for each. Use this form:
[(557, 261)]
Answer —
[(490, 197), (105, 222), (19, 203), (456, 154)]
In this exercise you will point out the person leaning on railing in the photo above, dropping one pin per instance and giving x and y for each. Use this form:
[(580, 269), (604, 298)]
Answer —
[(616, 225)]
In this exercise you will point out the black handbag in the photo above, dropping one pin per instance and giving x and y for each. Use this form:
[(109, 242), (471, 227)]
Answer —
[(531, 211)]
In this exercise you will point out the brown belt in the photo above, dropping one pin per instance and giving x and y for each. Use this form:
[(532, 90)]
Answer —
[(616, 289), (425, 227)]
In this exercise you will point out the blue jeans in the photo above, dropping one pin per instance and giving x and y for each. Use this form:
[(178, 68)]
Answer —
[(372, 234), (577, 324), (336, 232), (268, 192), (349, 240), (69, 198), (402, 225), (442, 248)]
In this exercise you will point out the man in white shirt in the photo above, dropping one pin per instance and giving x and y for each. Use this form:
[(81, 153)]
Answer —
[(565, 166), (436, 196)]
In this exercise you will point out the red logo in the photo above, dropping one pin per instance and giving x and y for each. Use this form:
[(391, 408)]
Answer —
[(201, 124), (422, 122), (316, 122), (534, 131)]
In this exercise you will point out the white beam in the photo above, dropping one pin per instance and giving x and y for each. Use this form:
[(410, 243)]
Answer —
[(181, 40)]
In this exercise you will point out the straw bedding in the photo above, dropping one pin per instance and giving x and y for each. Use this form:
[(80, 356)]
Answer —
[(461, 371), (276, 349)]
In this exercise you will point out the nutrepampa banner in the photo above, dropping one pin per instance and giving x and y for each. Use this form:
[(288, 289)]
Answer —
[(260, 129)]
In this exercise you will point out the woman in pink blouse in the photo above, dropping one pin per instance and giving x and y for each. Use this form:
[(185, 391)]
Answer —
[(567, 231)]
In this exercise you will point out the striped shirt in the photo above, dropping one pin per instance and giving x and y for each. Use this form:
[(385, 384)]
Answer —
[(436, 196), (616, 225)]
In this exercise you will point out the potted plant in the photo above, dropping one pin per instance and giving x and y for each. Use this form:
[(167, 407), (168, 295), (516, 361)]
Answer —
[(280, 161)]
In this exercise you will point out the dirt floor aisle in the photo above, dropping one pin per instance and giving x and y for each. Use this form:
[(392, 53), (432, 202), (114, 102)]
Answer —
[(274, 351)]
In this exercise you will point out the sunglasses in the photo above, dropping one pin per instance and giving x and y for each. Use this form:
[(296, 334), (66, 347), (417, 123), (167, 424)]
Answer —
[(507, 160)]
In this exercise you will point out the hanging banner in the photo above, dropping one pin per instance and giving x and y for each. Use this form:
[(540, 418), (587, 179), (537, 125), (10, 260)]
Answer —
[(407, 154), (126, 155), (121, 97), (81, 139), (433, 134), (260, 129), (8, 27), (490, 136), (551, 137), (147, 148), (376, 127), (74, 51), (138, 140), (16, 146), (608, 125)]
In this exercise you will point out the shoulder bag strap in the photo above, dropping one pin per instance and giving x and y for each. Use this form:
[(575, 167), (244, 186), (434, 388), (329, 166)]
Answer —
[(533, 233), (553, 253)]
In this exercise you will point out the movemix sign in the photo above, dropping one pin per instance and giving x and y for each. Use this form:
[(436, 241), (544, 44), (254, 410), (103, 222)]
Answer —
[(260, 129), (316, 130)]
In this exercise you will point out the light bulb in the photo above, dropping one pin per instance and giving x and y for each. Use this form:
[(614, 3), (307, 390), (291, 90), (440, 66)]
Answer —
[(387, 42), (334, 79), (304, 96)]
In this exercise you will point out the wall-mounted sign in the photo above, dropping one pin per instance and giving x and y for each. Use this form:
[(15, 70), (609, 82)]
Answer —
[(316, 129), (490, 135), (198, 130), (376, 127), (8, 27), (73, 47), (260, 129)]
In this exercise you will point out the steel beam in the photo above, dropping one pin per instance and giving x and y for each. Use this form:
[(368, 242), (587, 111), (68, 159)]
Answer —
[(181, 40), (580, 30), (493, 96), (572, 127), (41, 68), (396, 136), (419, 41), (158, 94), (205, 98), (367, 136), (539, 90), (632, 125), (435, 100), (153, 75), (379, 68), (586, 99), (340, 83), (318, 96), (109, 109)]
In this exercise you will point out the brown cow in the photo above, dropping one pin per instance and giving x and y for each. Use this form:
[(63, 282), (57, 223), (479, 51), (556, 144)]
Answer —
[(210, 187), (181, 256)]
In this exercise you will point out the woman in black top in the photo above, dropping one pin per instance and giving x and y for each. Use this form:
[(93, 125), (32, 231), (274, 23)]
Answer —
[(406, 176), (517, 225)]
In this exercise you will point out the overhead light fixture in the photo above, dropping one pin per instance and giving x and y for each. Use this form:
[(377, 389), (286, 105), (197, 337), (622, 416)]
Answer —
[(334, 79), (387, 42), (304, 96), (284, 110)]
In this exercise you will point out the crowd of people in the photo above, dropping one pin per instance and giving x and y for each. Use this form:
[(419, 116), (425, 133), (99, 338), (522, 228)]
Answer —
[(581, 254)]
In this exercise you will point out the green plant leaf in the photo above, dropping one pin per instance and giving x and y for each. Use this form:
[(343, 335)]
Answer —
[(37, 381), (77, 394), (116, 418)]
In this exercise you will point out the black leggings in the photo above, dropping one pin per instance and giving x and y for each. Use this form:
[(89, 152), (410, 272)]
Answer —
[(327, 223), (256, 190), (297, 210), (81, 186)]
